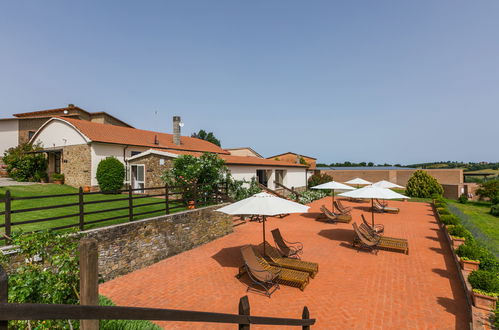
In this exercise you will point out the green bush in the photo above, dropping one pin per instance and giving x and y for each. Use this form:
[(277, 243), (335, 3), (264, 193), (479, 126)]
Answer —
[(309, 196), (421, 184), (463, 199), (485, 281), (442, 211), (488, 189), (488, 261), (449, 219), (319, 178), (459, 231), (24, 165), (439, 199), (241, 189), (58, 176), (494, 210), (110, 174), (469, 250), (123, 324)]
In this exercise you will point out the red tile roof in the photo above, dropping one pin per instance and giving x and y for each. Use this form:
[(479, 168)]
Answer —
[(137, 137)]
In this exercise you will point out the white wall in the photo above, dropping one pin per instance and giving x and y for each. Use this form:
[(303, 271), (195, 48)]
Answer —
[(9, 134), (294, 177), (101, 151), (59, 134)]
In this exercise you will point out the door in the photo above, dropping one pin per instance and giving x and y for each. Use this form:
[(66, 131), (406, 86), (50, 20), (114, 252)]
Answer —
[(137, 178), (261, 176)]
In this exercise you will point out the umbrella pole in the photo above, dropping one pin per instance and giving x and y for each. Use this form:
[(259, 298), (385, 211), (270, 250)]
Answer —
[(264, 218), (332, 204), (372, 211)]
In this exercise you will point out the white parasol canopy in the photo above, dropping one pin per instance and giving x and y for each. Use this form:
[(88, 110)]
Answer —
[(373, 192), (333, 185), (386, 184), (264, 204), (358, 181)]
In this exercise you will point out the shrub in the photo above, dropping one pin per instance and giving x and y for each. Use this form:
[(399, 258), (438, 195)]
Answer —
[(442, 211), (494, 210), (421, 184), (485, 281), (488, 260), (123, 324), (309, 196), (463, 199), (459, 231), (469, 250), (438, 199), (449, 219), (110, 174), (319, 178), (488, 189), (58, 176), (241, 189), (23, 164)]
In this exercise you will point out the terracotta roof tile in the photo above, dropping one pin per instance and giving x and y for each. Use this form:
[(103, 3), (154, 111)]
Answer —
[(137, 137)]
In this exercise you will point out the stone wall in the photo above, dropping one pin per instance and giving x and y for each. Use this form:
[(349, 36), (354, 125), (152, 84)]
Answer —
[(126, 247), (76, 165), (154, 166)]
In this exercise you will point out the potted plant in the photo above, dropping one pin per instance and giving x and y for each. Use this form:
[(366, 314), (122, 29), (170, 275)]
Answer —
[(86, 189), (191, 205), (457, 241), (469, 264), (485, 286), (58, 178)]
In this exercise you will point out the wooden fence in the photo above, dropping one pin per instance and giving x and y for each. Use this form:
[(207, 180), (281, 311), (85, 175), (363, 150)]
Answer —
[(172, 199)]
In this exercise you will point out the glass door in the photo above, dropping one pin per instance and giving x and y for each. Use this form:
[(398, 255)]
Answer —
[(138, 178)]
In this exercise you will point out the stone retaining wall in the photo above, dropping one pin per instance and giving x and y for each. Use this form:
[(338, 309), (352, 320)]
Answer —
[(126, 247)]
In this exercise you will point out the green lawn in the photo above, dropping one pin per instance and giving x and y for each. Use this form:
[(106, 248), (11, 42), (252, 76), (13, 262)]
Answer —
[(50, 189), (476, 218)]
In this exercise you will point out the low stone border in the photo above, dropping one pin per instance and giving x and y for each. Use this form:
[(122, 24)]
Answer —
[(479, 317)]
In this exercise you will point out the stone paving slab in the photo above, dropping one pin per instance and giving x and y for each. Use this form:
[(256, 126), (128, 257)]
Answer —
[(353, 290)]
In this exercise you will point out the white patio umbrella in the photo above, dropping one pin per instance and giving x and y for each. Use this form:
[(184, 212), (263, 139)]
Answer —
[(386, 184), (333, 185), (264, 204), (373, 192), (358, 182)]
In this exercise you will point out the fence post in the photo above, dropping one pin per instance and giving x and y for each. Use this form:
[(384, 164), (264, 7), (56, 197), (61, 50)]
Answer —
[(305, 316), (89, 279), (80, 205), (167, 197), (4, 293), (244, 309), (7, 213), (195, 194), (130, 203)]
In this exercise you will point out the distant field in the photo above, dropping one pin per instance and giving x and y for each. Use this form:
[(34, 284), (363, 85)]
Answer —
[(496, 172)]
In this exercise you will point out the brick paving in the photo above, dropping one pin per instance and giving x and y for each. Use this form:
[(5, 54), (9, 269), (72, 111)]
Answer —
[(353, 290)]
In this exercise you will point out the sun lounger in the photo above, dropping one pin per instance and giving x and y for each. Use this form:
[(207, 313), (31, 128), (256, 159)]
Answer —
[(379, 208), (399, 244), (340, 208), (257, 273), (276, 258), (287, 249), (363, 242), (282, 275), (332, 217), (378, 228)]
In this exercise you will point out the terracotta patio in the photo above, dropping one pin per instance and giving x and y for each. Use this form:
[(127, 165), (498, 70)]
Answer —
[(353, 290)]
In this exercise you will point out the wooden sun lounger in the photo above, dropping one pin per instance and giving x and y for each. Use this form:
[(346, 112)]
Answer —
[(257, 273), (379, 208), (282, 275), (287, 249), (340, 209), (399, 244), (276, 258), (363, 242), (378, 228), (331, 217)]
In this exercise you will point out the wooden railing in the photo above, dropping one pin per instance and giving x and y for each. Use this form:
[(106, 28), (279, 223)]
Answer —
[(271, 191), (292, 190), (173, 198)]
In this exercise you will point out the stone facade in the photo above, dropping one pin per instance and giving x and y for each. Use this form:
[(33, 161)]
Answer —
[(76, 165), (130, 246), (155, 166)]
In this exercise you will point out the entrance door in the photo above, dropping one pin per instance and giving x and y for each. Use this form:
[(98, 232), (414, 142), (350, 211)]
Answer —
[(261, 176), (138, 178), (57, 162)]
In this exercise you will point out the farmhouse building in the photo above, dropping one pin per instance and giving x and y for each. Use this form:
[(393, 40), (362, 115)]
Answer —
[(75, 147)]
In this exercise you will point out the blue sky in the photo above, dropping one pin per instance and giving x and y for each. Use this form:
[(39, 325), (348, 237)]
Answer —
[(382, 81)]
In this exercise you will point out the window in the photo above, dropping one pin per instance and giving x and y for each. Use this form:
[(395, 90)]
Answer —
[(279, 176), (31, 134), (135, 153)]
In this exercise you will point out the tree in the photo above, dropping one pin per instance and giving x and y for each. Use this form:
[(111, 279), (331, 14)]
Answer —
[(24, 164), (210, 137), (489, 189), (318, 179), (421, 184), (110, 174)]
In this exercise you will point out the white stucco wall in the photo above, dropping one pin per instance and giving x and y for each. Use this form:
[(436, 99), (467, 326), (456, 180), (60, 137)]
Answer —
[(294, 177), (101, 151), (9, 134), (58, 134)]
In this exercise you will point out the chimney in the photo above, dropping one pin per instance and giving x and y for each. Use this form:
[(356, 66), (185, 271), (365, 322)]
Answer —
[(176, 130)]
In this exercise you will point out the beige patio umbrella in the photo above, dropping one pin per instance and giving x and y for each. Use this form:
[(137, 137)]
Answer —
[(358, 182), (333, 185), (373, 192), (386, 184), (264, 204)]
